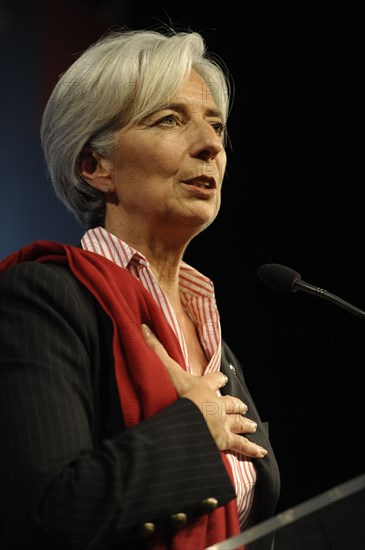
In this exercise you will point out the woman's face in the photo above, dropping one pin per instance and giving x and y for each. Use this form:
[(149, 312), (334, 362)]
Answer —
[(168, 169)]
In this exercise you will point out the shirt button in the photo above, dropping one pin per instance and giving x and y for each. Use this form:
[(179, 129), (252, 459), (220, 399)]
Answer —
[(209, 505), (179, 520), (233, 369), (147, 529)]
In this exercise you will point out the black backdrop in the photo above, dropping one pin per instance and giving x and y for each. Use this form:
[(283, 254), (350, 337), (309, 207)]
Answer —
[(291, 196)]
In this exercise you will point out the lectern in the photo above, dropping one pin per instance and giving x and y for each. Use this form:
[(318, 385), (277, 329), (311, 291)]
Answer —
[(333, 520)]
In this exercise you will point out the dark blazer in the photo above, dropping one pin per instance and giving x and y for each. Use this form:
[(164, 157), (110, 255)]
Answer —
[(71, 477)]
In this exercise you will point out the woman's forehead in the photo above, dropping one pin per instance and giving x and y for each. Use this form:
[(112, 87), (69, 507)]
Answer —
[(195, 91)]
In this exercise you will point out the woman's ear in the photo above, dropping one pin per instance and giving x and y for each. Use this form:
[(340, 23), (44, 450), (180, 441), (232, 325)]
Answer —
[(93, 168)]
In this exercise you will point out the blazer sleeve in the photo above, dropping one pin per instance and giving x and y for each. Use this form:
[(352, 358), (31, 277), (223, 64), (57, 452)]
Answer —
[(58, 489)]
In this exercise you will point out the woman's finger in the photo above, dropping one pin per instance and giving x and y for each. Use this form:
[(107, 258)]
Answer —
[(180, 379), (239, 424), (244, 446), (152, 340), (215, 380), (233, 405)]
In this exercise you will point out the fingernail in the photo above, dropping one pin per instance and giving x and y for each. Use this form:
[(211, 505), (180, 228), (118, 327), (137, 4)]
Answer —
[(263, 451), (225, 379), (252, 422), (145, 330)]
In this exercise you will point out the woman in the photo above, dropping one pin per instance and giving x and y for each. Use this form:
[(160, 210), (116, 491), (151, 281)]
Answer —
[(124, 412)]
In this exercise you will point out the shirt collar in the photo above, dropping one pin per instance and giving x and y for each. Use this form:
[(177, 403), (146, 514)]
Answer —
[(101, 241)]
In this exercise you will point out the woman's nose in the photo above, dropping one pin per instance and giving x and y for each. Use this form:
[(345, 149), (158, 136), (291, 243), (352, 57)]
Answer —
[(205, 142)]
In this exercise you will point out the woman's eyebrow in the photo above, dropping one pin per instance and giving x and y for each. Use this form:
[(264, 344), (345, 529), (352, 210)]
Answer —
[(181, 107)]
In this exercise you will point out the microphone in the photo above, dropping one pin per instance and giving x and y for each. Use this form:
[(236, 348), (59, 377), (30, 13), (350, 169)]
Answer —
[(285, 279)]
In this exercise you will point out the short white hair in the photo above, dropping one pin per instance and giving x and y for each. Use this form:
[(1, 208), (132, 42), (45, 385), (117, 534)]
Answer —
[(117, 81)]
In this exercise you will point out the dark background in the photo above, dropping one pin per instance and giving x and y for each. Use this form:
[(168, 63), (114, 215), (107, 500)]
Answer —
[(291, 196)]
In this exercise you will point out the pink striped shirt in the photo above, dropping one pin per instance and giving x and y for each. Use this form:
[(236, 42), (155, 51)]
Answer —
[(198, 299)]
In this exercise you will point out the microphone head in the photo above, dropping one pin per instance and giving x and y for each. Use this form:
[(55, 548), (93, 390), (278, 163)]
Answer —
[(279, 277)]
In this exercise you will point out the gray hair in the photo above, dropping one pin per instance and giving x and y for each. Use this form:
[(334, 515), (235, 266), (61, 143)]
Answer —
[(117, 81)]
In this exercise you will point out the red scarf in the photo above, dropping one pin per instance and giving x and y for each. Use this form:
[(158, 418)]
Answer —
[(129, 304)]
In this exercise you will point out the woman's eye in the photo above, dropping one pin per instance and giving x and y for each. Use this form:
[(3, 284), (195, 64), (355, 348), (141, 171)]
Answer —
[(170, 120), (218, 127)]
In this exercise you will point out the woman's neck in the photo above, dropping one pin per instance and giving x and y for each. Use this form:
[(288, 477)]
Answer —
[(164, 257), (166, 268)]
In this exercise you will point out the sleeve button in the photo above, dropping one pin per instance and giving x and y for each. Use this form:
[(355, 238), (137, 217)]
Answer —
[(179, 520), (209, 505), (147, 529)]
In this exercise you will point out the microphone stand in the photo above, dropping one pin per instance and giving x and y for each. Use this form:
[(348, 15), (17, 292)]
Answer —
[(321, 293)]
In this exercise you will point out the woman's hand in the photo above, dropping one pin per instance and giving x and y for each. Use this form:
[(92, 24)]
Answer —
[(224, 415)]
